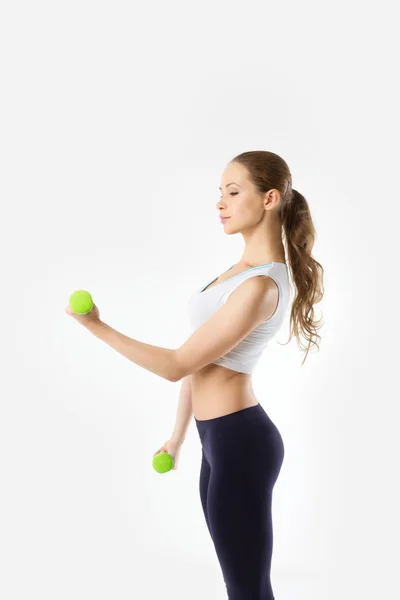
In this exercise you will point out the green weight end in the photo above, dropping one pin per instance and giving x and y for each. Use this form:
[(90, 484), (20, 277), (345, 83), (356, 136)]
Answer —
[(163, 462), (81, 302)]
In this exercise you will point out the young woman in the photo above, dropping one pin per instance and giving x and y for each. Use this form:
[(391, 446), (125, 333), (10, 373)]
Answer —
[(233, 318), (242, 449)]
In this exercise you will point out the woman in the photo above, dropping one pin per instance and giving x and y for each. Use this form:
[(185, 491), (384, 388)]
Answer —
[(242, 449), (233, 318)]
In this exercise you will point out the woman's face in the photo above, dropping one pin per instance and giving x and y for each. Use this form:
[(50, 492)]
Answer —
[(239, 201)]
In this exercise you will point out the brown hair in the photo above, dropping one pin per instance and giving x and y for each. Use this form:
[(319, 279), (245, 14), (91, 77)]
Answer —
[(269, 171)]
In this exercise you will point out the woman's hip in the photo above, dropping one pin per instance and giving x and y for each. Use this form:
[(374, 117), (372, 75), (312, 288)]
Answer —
[(245, 437)]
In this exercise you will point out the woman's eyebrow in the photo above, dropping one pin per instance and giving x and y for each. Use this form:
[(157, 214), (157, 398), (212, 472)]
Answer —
[(231, 183)]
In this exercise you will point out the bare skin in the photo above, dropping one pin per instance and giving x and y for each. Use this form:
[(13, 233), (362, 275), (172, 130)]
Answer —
[(216, 390)]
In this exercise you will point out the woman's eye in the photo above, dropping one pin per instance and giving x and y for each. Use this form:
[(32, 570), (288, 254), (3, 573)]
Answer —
[(231, 194)]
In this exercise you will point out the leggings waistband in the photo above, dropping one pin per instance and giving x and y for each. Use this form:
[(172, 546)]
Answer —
[(238, 415)]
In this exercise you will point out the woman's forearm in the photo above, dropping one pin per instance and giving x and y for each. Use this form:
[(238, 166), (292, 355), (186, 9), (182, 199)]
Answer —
[(160, 361), (184, 411)]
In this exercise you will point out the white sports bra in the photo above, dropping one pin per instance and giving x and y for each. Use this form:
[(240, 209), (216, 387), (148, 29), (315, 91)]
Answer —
[(204, 302)]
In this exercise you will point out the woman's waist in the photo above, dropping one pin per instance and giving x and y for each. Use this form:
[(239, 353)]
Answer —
[(220, 406), (216, 394)]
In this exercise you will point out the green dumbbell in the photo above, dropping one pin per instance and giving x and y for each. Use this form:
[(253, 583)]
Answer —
[(163, 462), (81, 302)]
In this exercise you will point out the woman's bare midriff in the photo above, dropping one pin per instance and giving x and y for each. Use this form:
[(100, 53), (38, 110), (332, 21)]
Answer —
[(218, 391)]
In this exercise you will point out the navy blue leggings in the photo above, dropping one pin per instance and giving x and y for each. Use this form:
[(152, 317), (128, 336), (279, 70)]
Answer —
[(242, 455)]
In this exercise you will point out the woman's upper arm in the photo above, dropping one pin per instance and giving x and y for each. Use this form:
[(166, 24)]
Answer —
[(233, 321), (187, 383)]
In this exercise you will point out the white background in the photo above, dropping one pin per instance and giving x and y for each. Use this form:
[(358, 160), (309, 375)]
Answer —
[(117, 121)]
